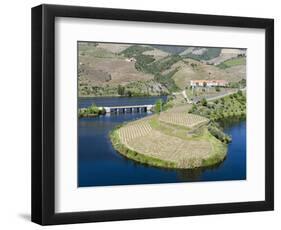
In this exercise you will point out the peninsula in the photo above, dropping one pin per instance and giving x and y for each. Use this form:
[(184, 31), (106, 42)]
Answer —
[(179, 137)]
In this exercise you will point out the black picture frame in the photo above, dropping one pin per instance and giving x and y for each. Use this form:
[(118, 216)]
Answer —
[(43, 110)]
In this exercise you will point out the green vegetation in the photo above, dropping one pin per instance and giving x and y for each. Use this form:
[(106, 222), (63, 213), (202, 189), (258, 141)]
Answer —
[(167, 80), (91, 111), (239, 85), (230, 106), (204, 102), (133, 89), (161, 105), (108, 90), (147, 88), (163, 64), (217, 132), (147, 64), (218, 153), (210, 53), (158, 106), (169, 103), (158, 67), (171, 49), (142, 61), (121, 90), (232, 62), (131, 154), (135, 50)]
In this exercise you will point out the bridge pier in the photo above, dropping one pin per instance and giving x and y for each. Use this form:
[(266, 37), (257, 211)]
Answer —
[(136, 109), (128, 109), (143, 109), (113, 110), (121, 110)]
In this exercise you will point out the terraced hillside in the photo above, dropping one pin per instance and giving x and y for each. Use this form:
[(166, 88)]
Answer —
[(164, 142), (111, 69), (183, 119), (134, 131)]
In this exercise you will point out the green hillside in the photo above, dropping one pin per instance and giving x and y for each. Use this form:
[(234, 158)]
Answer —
[(210, 53), (144, 70), (233, 62)]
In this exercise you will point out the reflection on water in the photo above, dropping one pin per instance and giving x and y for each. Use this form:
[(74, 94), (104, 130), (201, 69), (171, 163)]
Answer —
[(195, 174), (100, 165)]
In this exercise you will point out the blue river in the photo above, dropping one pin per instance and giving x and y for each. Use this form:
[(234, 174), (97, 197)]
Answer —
[(99, 164)]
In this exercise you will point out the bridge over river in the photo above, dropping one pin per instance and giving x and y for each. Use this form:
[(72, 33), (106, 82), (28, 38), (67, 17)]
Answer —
[(128, 108)]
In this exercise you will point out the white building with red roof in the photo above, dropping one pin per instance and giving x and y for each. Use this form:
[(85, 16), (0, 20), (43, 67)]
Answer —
[(209, 83)]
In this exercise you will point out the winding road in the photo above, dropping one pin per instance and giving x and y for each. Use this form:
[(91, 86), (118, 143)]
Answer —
[(217, 96)]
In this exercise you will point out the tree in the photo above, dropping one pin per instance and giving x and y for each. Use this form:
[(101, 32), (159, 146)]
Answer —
[(121, 90), (102, 111), (93, 109), (204, 102), (193, 65), (242, 83), (158, 106), (129, 93), (193, 109)]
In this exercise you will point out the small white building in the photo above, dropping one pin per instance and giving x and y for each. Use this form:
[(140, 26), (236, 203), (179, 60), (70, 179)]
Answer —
[(208, 83), (131, 59)]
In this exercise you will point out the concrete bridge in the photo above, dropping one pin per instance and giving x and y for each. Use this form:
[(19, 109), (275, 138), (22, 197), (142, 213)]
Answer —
[(128, 108)]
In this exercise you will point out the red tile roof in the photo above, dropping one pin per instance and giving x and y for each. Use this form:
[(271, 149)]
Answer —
[(208, 81)]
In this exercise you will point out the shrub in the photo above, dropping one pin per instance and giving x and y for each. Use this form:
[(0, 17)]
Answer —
[(204, 102), (218, 89), (93, 109), (219, 134), (159, 106), (193, 109), (102, 111), (129, 93), (121, 90)]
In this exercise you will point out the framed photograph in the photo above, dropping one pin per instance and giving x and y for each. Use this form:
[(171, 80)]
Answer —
[(141, 114)]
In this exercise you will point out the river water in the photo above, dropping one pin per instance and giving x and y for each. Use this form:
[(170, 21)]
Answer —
[(100, 165)]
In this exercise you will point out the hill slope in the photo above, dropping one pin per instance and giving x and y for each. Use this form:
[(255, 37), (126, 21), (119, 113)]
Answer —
[(111, 69)]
